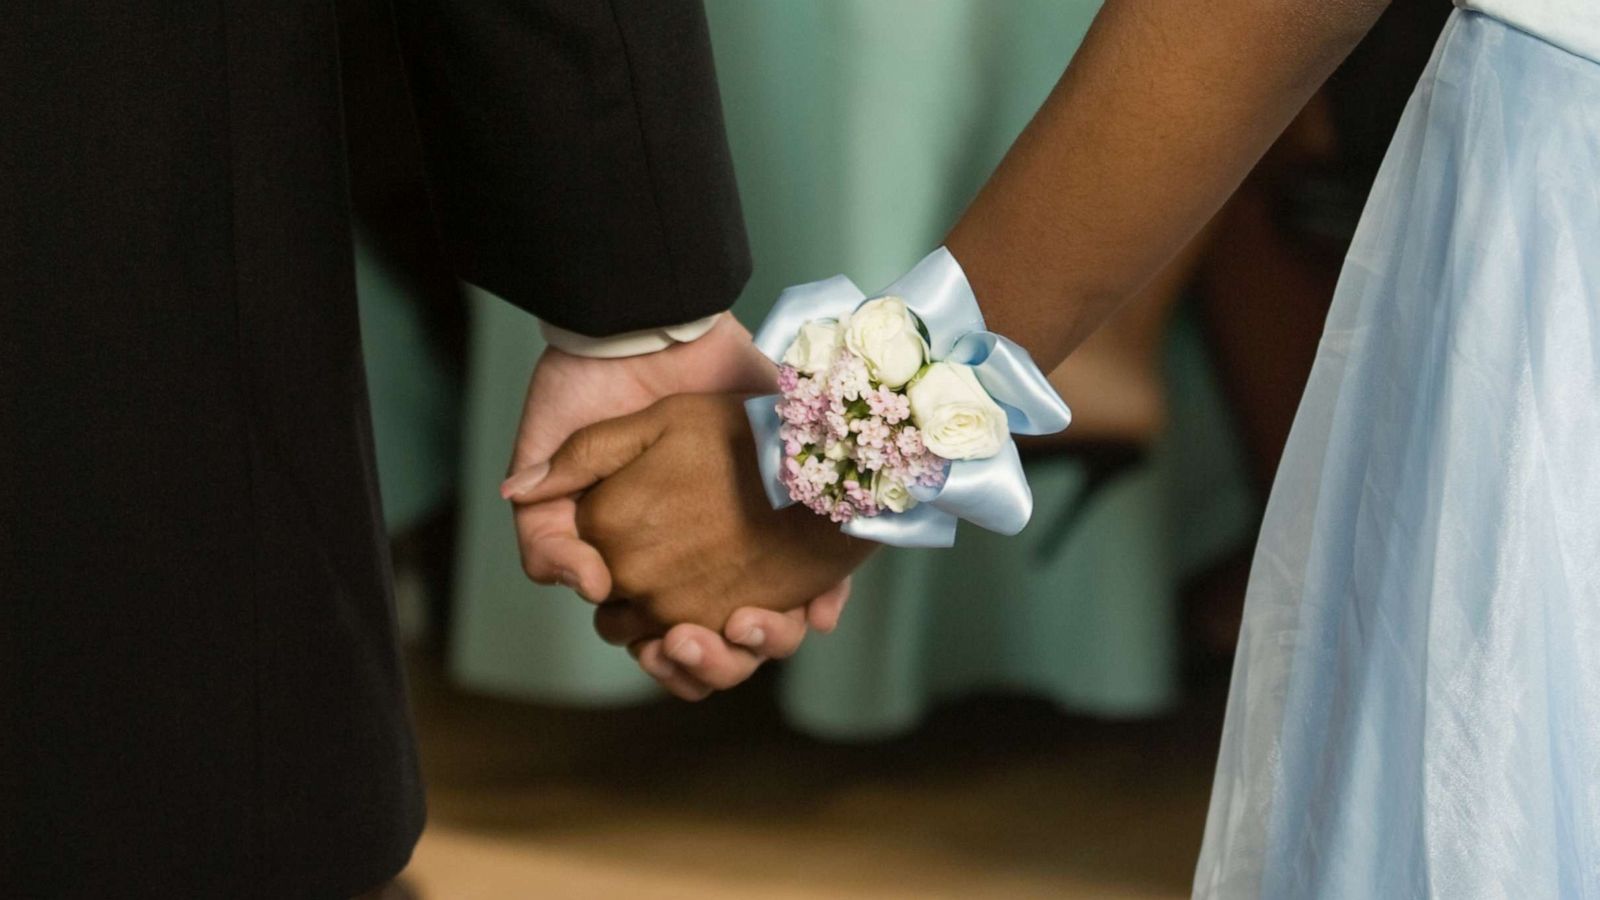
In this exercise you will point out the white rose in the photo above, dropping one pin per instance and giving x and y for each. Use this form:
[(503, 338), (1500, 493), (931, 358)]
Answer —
[(813, 349), (883, 333), (957, 417), (891, 494)]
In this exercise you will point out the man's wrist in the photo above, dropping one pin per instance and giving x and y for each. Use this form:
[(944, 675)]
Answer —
[(633, 343)]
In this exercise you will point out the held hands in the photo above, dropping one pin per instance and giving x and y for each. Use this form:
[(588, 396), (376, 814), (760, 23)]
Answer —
[(568, 392), (674, 504)]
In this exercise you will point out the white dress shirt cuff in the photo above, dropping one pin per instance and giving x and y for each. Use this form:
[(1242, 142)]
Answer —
[(633, 343)]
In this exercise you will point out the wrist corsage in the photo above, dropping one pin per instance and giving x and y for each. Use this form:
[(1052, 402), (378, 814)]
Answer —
[(896, 412)]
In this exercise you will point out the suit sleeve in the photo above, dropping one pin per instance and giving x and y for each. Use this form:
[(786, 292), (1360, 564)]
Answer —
[(577, 156)]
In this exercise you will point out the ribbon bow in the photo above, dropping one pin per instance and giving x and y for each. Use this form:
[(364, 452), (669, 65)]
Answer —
[(992, 493)]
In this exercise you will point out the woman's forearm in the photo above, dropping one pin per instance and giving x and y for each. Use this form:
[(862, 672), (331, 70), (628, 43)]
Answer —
[(1163, 111)]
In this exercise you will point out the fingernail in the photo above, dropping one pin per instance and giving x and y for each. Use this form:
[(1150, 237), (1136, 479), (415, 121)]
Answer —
[(687, 653), (752, 637), (569, 579), (525, 480)]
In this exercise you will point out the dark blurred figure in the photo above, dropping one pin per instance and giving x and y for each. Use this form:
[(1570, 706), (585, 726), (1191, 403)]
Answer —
[(1272, 257)]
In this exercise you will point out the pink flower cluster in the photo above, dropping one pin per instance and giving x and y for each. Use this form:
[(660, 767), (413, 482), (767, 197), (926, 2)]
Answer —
[(850, 448)]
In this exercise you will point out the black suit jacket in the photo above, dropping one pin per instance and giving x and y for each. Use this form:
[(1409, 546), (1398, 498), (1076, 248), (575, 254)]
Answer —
[(580, 166), (200, 694)]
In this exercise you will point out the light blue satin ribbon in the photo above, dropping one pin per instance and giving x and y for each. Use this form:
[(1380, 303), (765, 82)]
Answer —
[(991, 493)]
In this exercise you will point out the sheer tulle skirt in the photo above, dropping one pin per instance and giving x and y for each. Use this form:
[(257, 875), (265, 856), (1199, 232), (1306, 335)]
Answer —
[(1415, 708)]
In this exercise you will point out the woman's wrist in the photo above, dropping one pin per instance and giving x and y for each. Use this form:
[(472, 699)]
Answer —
[(1048, 317)]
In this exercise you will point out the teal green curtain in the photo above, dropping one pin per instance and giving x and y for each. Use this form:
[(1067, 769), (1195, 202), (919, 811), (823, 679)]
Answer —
[(859, 129), (415, 398)]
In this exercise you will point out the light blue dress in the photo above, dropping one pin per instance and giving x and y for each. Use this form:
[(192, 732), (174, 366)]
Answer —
[(1415, 710)]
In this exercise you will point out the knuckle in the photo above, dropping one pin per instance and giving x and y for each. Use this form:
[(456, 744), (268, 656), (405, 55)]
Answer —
[(532, 570), (582, 447), (602, 517), (535, 567), (591, 519)]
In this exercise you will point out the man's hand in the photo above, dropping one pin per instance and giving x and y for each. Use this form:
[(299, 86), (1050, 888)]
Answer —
[(691, 661), (674, 504), (568, 392)]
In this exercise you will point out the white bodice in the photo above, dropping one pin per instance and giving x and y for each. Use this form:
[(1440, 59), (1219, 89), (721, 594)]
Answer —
[(1572, 25)]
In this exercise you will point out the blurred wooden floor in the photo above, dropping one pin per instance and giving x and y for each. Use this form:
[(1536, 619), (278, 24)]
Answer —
[(992, 798)]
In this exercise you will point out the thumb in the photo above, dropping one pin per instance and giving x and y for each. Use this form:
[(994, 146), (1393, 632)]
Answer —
[(589, 455)]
